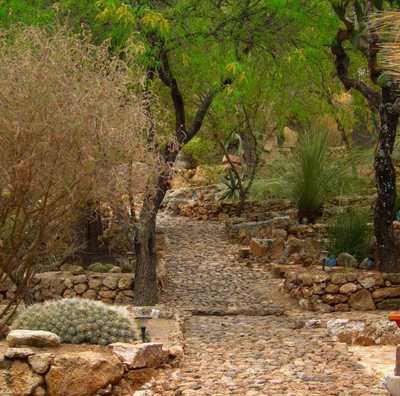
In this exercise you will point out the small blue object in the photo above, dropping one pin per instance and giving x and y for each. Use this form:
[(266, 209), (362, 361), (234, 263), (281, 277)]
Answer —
[(371, 263), (330, 261)]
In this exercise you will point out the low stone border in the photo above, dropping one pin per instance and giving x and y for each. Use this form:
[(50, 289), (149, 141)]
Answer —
[(107, 287), (341, 289)]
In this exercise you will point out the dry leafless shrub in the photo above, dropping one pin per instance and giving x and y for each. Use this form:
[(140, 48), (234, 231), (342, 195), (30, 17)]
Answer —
[(72, 129), (386, 25)]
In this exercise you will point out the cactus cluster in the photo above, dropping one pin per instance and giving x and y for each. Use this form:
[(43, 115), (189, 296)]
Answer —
[(78, 321)]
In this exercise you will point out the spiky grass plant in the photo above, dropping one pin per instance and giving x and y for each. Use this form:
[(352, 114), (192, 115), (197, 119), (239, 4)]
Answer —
[(350, 232), (78, 321), (311, 175)]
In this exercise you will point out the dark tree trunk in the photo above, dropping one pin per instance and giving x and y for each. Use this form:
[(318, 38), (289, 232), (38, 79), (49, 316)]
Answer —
[(386, 186), (145, 285), (94, 233), (249, 151), (145, 290)]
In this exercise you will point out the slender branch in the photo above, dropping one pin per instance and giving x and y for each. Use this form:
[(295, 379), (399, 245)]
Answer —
[(203, 109), (169, 80), (342, 62)]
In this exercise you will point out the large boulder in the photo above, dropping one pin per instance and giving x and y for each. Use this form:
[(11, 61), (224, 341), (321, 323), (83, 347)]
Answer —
[(82, 373), (32, 338)]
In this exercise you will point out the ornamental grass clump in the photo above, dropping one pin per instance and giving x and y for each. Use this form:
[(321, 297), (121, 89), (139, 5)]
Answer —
[(313, 174), (350, 232), (78, 321)]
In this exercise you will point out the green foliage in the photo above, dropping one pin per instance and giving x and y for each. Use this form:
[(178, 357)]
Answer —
[(203, 150), (32, 13), (100, 267), (312, 175), (262, 190), (349, 232), (78, 321)]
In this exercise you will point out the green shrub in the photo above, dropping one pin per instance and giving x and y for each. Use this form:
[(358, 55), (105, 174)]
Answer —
[(312, 175), (100, 267), (205, 151), (349, 232), (78, 321), (261, 190)]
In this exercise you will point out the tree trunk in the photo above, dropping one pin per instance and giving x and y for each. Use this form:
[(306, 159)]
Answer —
[(249, 151), (386, 187), (145, 285), (145, 290)]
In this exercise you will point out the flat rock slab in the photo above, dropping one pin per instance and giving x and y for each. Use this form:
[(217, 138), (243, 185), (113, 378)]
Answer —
[(18, 353), (32, 338), (149, 355)]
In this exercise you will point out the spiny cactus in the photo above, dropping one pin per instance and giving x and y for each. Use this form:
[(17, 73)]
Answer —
[(78, 321)]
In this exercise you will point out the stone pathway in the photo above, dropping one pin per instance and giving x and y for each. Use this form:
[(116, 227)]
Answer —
[(245, 337)]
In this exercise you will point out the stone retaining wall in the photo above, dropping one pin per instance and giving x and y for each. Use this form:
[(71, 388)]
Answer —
[(107, 287), (341, 289), (118, 369)]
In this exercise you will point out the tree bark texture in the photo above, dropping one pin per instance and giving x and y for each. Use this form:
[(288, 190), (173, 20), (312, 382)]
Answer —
[(385, 178)]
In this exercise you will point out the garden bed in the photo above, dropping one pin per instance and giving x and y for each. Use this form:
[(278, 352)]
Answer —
[(83, 370)]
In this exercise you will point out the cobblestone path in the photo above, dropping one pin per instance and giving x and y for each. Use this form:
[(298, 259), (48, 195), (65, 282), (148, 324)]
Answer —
[(244, 337)]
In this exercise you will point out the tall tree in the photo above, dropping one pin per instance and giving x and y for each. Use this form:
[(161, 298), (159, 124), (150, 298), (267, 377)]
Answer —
[(195, 52), (355, 38)]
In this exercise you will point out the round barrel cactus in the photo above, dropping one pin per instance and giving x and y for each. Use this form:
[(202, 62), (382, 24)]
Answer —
[(78, 321)]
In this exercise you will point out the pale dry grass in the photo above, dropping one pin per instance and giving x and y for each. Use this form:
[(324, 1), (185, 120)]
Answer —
[(387, 26), (72, 130)]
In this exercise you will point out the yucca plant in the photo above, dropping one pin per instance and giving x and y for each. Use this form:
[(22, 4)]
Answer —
[(311, 175), (231, 186), (350, 232), (77, 321)]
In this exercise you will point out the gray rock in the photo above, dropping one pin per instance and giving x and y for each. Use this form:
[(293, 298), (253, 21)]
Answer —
[(18, 353), (346, 260), (362, 301), (337, 327), (110, 282), (33, 338), (40, 362), (149, 355), (389, 304), (392, 384), (73, 268), (348, 288)]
